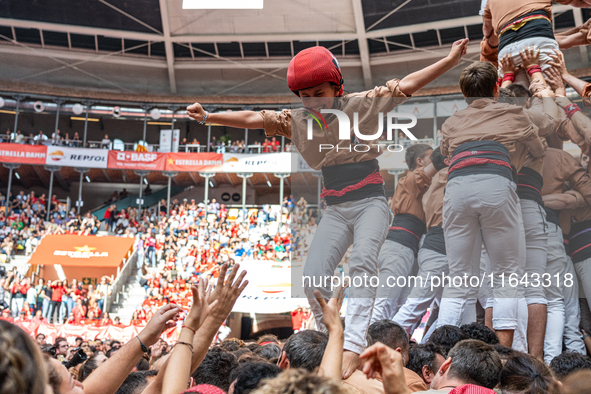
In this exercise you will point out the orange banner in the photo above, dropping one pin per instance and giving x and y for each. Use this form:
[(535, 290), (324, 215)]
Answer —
[(75, 250), (150, 161), (23, 154), (194, 162)]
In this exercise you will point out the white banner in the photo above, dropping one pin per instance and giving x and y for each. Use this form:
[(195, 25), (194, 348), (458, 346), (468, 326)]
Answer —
[(264, 162), (420, 110), (447, 108), (77, 157), (169, 141), (269, 288)]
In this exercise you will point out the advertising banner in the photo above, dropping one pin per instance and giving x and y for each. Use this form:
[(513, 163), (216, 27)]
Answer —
[(194, 162), (127, 160), (76, 157), (265, 162), (23, 154)]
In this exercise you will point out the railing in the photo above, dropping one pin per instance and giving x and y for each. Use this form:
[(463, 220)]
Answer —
[(122, 276)]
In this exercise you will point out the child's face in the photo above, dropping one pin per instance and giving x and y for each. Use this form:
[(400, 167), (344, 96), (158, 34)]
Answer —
[(318, 97)]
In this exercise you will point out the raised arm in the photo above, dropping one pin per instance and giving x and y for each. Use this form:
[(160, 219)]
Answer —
[(332, 359), (560, 201), (413, 82), (238, 119), (577, 84), (110, 375)]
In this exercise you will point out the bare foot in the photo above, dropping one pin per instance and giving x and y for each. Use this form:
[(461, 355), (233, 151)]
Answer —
[(351, 362)]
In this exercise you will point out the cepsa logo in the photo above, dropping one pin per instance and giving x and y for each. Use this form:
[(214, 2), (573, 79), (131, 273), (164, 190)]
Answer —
[(137, 156), (345, 129)]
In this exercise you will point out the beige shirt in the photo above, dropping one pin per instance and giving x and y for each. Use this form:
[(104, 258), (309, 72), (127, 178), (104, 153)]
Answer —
[(488, 120), (433, 199), (409, 193), (503, 12), (560, 167), (367, 104)]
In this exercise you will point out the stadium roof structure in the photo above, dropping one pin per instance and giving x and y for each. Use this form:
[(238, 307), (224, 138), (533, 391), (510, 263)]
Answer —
[(157, 48)]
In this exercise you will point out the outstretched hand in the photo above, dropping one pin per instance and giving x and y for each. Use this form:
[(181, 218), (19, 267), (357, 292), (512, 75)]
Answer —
[(201, 305), (458, 49), (530, 56), (227, 291), (558, 62), (162, 320), (507, 65)]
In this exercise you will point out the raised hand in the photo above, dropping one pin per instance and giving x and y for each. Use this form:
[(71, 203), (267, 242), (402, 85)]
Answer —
[(162, 320), (196, 112), (201, 305), (458, 49), (558, 62), (380, 360), (227, 292), (554, 79)]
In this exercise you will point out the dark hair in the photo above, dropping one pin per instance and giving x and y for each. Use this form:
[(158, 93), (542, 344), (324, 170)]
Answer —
[(390, 334), (504, 352), (305, 349), (135, 382), (88, 367), (480, 332), (58, 340), (519, 90), (447, 336), (231, 344), (215, 369), (415, 152), (22, 370), (526, 374), (506, 96), (143, 364), (478, 80), (475, 362), (240, 352), (569, 362), (79, 338), (270, 351), (438, 159), (424, 355), (248, 376), (252, 346)]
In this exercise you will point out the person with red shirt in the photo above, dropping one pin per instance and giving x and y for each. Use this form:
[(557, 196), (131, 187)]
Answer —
[(296, 319), (79, 311), (6, 316), (19, 294), (56, 301)]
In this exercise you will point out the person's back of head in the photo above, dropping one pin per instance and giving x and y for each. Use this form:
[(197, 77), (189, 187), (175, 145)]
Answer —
[(478, 80), (481, 332), (526, 374), (270, 351), (414, 152), (577, 383), (136, 382), (568, 362), (247, 378), (475, 362), (268, 337), (231, 344), (22, 369), (447, 337), (305, 349), (390, 334), (299, 381), (215, 369), (425, 360)]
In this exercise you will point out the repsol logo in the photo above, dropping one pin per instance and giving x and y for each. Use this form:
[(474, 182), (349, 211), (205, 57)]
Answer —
[(88, 158)]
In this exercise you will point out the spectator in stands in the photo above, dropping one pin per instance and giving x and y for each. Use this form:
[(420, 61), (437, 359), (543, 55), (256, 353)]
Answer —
[(20, 138), (76, 142), (102, 291), (40, 138), (67, 141), (7, 137), (31, 139), (106, 142), (56, 138)]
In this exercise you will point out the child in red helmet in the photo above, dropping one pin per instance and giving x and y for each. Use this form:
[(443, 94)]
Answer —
[(357, 211)]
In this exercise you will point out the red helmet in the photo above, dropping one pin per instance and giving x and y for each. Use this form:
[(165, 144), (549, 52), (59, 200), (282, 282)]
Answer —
[(312, 67)]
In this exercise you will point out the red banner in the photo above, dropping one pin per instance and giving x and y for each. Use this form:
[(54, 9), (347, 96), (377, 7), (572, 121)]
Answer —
[(89, 333), (194, 162), (127, 160), (23, 154)]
